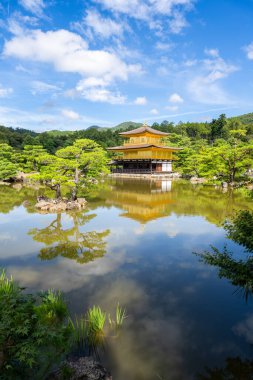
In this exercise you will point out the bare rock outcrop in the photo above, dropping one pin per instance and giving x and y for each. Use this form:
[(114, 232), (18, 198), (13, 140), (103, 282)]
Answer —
[(84, 368), (198, 180), (47, 205)]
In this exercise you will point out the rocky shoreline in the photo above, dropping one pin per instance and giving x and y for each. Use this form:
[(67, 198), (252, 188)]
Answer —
[(47, 205), (84, 368)]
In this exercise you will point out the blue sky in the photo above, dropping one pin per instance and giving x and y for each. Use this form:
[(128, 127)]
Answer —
[(69, 64)]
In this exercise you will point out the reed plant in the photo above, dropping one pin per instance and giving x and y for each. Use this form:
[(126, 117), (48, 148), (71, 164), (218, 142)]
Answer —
[(7, 285), (92, 330)]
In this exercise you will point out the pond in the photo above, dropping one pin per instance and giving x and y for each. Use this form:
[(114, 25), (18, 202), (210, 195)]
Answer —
[(135, 245)]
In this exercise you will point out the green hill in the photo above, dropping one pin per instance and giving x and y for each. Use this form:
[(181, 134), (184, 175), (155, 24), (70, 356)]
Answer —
[(94, 127), (245, 119), (126, 125), (56, 133)]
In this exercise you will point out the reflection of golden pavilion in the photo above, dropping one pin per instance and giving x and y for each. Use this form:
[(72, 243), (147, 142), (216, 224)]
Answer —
[(143, 152), (143, 200)]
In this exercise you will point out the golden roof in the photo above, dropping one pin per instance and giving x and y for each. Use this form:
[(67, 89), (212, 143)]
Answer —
[(141, 146), (143, 129)]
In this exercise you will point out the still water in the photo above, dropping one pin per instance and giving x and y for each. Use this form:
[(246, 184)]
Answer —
[(134, 245)]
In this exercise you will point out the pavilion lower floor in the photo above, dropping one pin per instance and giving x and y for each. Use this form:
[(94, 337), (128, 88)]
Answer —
[(141, 166)]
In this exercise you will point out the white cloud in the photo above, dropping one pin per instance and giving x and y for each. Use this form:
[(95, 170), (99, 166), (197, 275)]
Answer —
[(91, 82), (21, 68), (134, 8), (249, 50), (190, 62), (166, 6), (140, 101), (212, 52), (172, 108), (69, 114), (204, 91), (39, 87), (163, 46), (17, 21), (154, 111), (153, 11), (95, 90), (176, 98), (97, 94), (164, 117), (178, 23), (162, 71), (34, 6), (204, 87), (67, 52), (42, 121), (104, 27), (141, 8), (5, 91)]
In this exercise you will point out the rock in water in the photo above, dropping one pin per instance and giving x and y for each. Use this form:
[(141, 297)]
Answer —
[(58, 205), (84, 368), (88, 368)]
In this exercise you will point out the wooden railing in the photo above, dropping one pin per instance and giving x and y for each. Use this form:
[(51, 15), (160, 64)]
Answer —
[(133, 171), (145, 156)]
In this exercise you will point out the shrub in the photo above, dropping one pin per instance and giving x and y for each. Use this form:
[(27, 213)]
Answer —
[(34, 331)]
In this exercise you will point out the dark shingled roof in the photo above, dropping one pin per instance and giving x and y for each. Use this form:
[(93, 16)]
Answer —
[(143, 129), (126, 147)]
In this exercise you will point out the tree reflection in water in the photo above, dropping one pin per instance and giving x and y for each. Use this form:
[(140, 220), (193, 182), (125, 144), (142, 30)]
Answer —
[(240, 273), (235, 369), (71, 243)]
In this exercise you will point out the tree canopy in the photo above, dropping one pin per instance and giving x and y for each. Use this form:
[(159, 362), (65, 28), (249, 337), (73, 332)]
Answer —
[(218, 150)]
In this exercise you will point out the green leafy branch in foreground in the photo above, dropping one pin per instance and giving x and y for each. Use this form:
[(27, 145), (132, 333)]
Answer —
[(37, 333)]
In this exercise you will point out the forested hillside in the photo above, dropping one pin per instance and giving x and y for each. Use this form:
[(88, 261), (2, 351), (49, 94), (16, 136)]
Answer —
[(244, 119), (220, 150), (53, 140)]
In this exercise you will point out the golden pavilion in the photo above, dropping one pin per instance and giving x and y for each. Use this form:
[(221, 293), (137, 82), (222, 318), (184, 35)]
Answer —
[(143, 152)]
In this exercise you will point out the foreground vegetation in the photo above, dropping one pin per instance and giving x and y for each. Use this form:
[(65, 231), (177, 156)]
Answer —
[(37, 333)]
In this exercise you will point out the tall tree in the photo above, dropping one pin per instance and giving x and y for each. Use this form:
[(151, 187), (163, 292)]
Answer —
[(74, 165), (32, 155), (8, 167), (54, 172), (87, 159), (219, 128)]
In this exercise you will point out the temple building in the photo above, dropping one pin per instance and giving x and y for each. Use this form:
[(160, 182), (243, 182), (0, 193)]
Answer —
[(143, 152)]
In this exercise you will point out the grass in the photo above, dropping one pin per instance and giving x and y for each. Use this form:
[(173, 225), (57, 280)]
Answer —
[(79, 329), (7, 285), (91, 330)]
